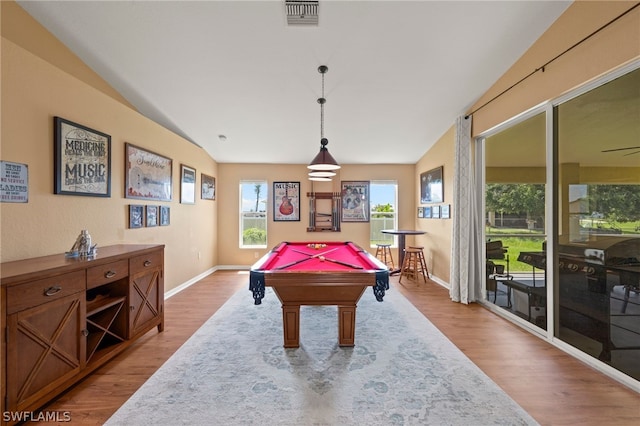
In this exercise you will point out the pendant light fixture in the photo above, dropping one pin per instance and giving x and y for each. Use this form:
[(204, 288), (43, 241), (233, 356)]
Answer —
[(323, 165)]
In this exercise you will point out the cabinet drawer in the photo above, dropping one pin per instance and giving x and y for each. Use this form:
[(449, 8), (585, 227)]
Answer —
[(145, 262), (99, 275), (45, 290)]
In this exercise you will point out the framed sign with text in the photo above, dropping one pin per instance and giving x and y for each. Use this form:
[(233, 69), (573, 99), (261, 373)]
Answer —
[(147, 174), (14, 182), (82, 160)]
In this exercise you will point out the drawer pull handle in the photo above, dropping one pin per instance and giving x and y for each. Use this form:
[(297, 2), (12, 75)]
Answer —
[(147, 263), (131, 307), (85, 332), (52, 290), (110, 274)]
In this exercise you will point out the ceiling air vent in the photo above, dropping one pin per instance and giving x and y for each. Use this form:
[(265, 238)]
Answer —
[(302, 12)]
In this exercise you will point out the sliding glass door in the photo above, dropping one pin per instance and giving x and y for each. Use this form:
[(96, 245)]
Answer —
[(577, 281), (598, 216), (515, 232)]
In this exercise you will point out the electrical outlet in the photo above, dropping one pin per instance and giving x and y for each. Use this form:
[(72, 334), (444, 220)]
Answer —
[(199, 255), (256, 254)]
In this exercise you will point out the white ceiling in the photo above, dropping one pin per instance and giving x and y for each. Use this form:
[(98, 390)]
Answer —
[(399, 72)]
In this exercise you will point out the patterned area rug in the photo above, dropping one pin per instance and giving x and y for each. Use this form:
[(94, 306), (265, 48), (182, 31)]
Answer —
[(402, 371)]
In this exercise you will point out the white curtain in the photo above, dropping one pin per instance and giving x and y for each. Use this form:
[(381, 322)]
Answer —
[(465, 257)]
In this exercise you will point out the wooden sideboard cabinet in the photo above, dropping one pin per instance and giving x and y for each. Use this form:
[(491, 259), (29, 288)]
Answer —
[(64, 317)]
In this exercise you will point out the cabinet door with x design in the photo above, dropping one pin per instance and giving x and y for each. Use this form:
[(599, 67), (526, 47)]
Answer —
[(146, 293), (45, 345)]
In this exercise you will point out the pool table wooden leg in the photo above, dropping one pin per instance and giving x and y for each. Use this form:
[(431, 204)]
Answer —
[(347, 325), (291, 323)]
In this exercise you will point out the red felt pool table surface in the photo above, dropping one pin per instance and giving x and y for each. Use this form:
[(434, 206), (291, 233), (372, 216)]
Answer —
[(318, 273), (321, 257)]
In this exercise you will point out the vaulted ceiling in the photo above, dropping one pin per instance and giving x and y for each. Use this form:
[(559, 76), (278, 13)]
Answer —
[(400, 72)]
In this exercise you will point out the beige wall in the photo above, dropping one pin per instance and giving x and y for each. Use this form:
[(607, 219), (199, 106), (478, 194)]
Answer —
[(229, 201), (437, 240), (33, 92), (613, 46)]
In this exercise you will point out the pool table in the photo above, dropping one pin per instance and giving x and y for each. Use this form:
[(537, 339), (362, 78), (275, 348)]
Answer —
[(318, 273)]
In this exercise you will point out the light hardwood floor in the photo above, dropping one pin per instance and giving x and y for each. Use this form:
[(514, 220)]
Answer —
[(553, 387)]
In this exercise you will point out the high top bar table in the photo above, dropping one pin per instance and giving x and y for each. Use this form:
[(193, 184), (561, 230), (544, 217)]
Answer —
[(402, 235)]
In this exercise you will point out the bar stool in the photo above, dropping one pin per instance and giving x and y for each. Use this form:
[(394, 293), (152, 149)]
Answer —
[(383, 252), (423, 262), (413, 264)]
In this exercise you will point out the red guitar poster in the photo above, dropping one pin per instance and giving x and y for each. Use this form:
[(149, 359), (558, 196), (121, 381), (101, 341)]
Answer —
[(286, 201)]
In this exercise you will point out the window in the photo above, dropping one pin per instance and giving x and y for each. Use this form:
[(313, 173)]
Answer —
[(384, 215), (253, 214)]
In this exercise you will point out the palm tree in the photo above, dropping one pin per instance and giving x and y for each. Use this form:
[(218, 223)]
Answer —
[(257, 188)]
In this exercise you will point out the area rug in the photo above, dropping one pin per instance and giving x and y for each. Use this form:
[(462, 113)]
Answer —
[(402, 371)]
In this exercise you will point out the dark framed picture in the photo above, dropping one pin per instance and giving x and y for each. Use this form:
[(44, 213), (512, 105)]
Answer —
[(147, 174), (355, 201), (165, 215), (286, 201), (435, 212), (427, 212), (152, 216), (187, 184), (82, 160), (432, 186), (445, 211), (208, 187), (136, 216)]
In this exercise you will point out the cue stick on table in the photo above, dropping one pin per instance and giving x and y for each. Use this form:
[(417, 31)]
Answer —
[(351, 265), (306, 258), (339, 262)]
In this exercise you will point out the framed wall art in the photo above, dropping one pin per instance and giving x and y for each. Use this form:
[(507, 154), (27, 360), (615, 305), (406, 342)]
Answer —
[(286, 201), (432, 186), (427, 212), (208, 187), (355, 201), (165, 215), (187, 184), (14, 182), (152, 216), (435, 212), (147, 174), (82, 160), (136, 216), (445, 211)]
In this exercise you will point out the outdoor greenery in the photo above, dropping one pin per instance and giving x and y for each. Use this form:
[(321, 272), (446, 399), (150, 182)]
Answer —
[(254, 236), (606, 208), (516, 198)]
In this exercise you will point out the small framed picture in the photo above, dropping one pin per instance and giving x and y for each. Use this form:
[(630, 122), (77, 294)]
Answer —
[(208, 187), (165, 215), (445, 211), (136, 216), (286, 201), (435, 212), (152, 216), (187, 184), (427, 212)]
